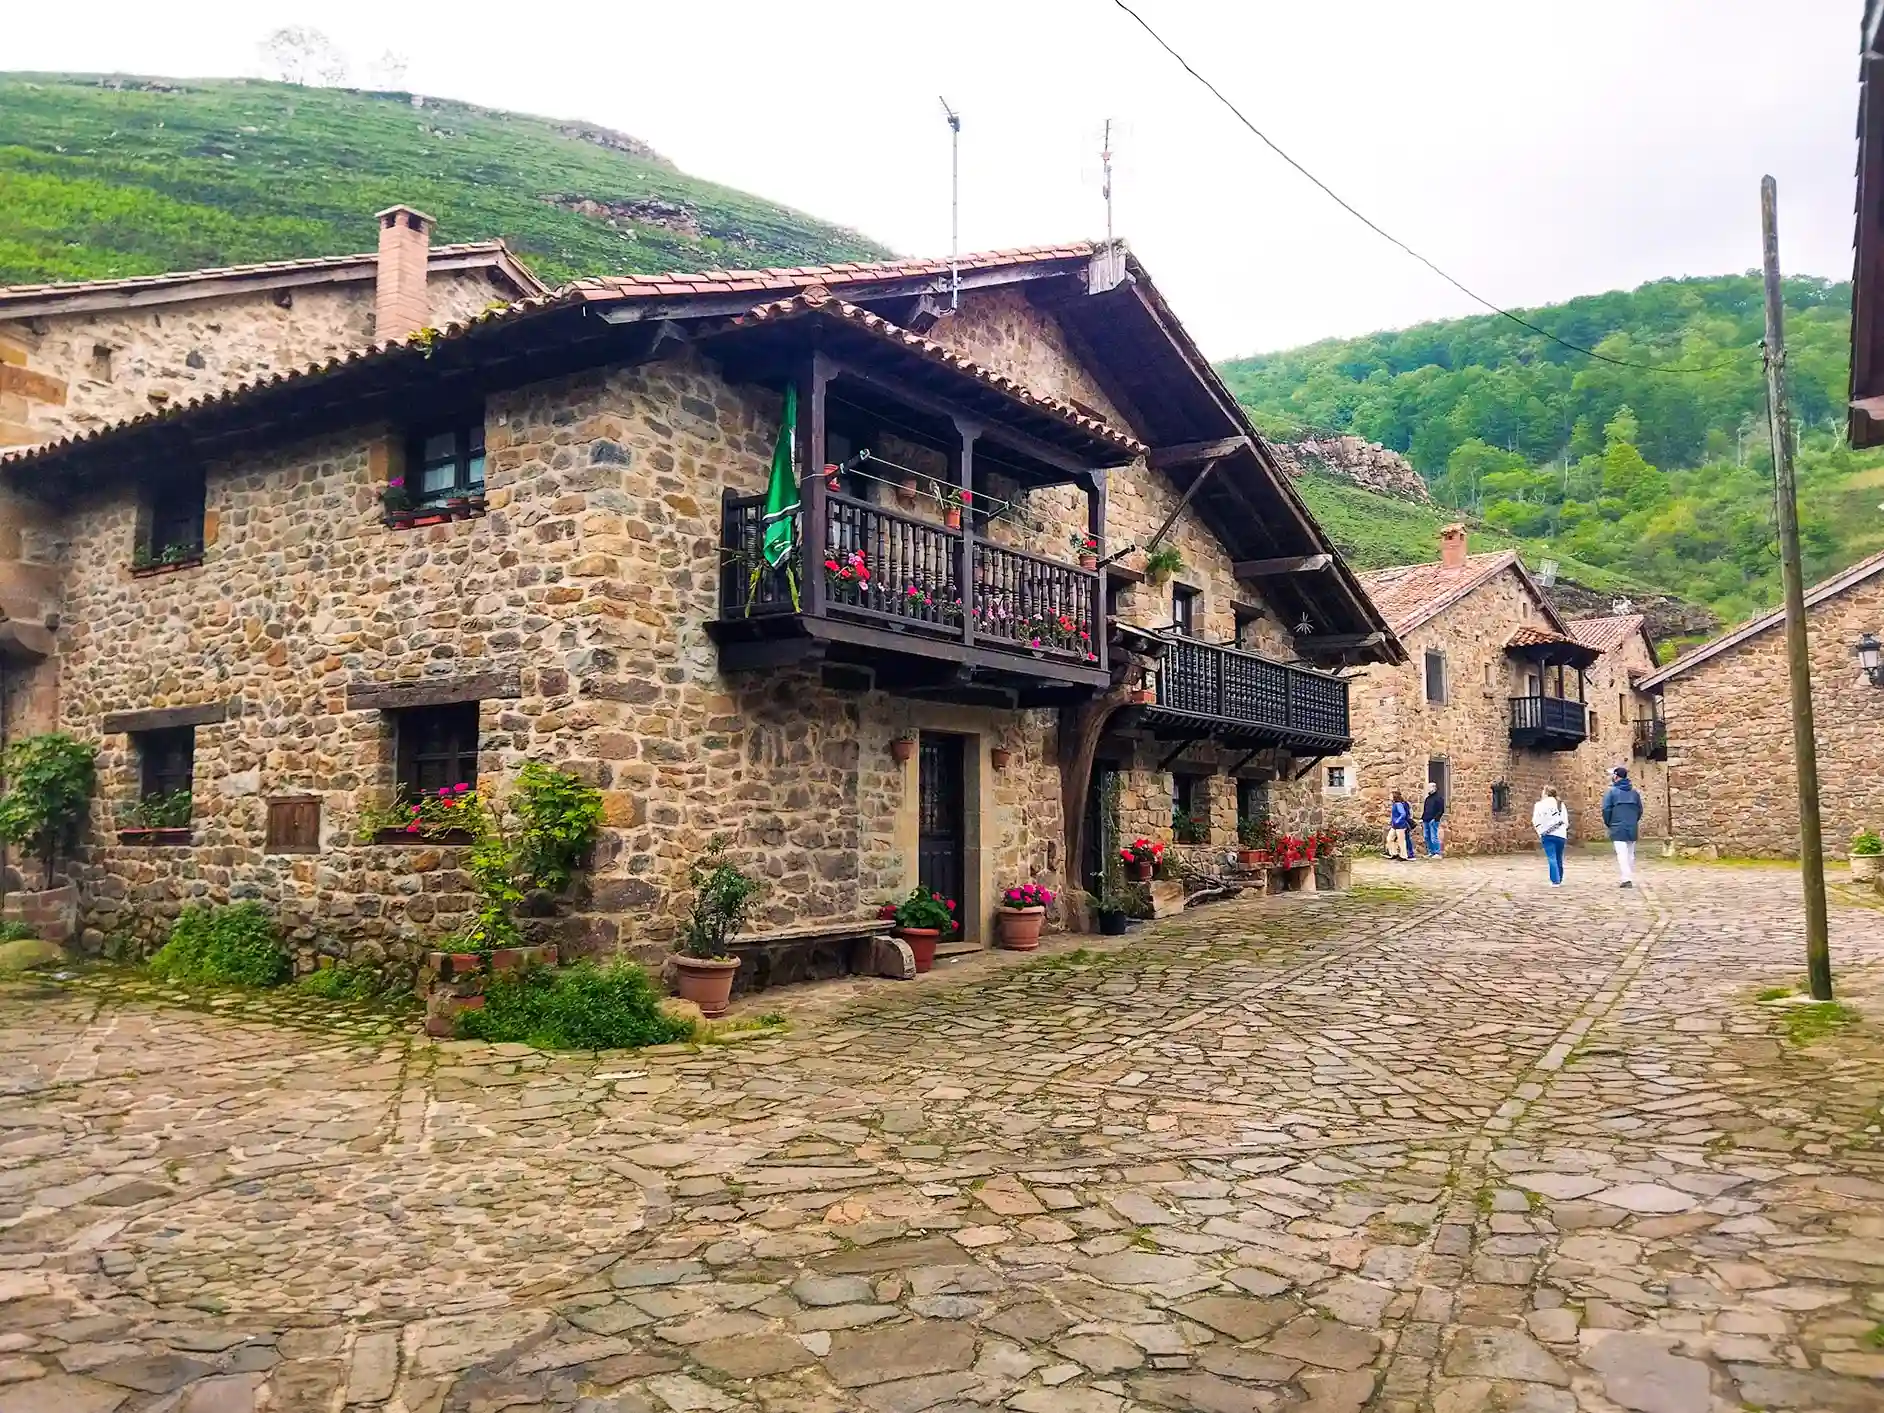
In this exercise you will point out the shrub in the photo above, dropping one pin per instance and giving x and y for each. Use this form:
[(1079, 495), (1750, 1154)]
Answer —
[(13, 931), (581, 1007), (344, 982), (723, 896), (1866, 842), (49, 782), (923, 909), (238, 945), (1163, 562), (558, 819), (164, 811)]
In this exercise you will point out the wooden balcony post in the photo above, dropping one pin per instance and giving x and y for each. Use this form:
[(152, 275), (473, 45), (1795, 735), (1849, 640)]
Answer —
[(811, 377), (964, 459), (1096, 527)]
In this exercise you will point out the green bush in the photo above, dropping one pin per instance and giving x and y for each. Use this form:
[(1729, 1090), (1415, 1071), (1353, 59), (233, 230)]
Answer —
[(344, 982), (11, 931), (581, 1007), (238, 945), (1866, 843), (49, 783), (558, 821)]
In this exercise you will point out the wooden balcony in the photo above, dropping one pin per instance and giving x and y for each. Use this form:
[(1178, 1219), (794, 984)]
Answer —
[(1545, 723), (1651, 738), (1209, 691), (901, 604)]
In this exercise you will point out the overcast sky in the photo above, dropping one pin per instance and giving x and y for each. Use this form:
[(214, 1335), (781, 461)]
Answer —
[(1535, 150)]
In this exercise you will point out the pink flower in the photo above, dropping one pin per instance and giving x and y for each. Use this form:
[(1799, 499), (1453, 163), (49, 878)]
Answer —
[(461, 787), (412, 829), (951, 905)]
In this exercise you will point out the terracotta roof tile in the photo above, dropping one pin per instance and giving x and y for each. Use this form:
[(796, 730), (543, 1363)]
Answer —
[(1528, 636), (844, 272), (1608, 633), (1409, 594)]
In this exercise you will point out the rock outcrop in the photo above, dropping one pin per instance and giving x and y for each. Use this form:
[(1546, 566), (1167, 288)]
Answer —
[(1368, 465), (1669, 618)]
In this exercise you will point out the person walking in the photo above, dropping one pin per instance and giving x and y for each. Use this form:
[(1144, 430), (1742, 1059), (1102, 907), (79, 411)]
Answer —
[(1432, 810), (1552, 822), (1622, 817), (1399, 827)]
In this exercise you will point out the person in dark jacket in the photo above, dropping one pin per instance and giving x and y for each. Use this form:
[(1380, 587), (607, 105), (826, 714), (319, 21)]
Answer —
[(1399, 828), (1431, 812), (1622, 814)]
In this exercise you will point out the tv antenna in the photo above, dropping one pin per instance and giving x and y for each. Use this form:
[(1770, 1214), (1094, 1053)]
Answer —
[(955, 203), (1105, 180)]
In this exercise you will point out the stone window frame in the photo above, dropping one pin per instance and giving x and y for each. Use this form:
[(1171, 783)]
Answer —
[(1345, 785), (1431, 656)]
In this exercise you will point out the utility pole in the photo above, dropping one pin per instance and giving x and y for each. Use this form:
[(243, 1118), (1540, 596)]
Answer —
[(1105, 167), (955, 205), (1804, 742)]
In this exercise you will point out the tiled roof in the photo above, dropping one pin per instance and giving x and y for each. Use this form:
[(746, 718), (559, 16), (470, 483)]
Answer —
[(1608, 633), (467, 253), (1529, 637), (819, 301), (830, 276), (1817, 594), (1409, 594)]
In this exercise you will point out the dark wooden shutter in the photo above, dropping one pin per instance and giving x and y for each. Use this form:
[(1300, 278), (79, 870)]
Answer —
[(294, 826)]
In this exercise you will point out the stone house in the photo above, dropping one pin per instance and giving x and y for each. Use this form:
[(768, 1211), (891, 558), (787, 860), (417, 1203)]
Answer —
[(1626, 725), (592, 592), (1729, 721), (1490, 703)]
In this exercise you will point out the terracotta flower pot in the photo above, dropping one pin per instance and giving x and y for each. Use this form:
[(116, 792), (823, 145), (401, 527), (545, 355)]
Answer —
[(952, 517), (921, 942), (1139, 872), (1249, 858), (705, 981), (1144, 696), (999, 756), (1089, 561), (1020, 928), (903, 749), (1865, 867)]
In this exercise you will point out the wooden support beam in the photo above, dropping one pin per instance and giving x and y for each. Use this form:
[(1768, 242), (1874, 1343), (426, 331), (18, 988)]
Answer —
[(1184, 453), (166, 718), (502, 684), (1339, 642), (1191, 490), (1286, 564)]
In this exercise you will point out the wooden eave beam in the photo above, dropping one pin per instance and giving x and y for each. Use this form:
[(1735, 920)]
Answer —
[(1317, 643), (1190, 492), (1163, 458), (1286, 564)]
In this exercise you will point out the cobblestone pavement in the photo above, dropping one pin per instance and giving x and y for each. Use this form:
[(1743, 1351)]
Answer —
[(1454, 1142)]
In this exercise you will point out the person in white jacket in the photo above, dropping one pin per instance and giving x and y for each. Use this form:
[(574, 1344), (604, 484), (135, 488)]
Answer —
[(1551, 820)]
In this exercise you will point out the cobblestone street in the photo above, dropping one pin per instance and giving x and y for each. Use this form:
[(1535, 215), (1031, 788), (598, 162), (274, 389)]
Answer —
[(1452, 1141)]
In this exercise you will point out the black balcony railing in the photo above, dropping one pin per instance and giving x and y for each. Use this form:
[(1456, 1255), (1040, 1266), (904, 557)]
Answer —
[(1555, 721), (1242, 689), (1651, 737), (878, 567)]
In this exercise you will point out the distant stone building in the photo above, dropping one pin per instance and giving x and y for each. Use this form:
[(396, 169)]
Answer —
[(1626, 725), (1492, 704), (1728, 707)]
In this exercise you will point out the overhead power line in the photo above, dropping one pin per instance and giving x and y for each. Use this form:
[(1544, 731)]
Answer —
[(1394, 240)]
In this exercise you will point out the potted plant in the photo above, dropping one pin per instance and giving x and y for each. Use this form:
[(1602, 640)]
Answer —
[(1191, 828), (1086, 547), (1023, 912), (458, 507), (903, 749), (162, 818), (723, 896), (921, 919), (999, 757), (1140, 857), (952, 503), (1867, 854), (1162, 563), (396, 500), (1255, 836)]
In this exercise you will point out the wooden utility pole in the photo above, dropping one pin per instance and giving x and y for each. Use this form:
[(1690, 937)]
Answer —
[(1804, 743)]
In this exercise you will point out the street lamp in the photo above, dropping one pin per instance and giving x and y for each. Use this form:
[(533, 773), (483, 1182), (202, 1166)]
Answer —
[(1869, 656)]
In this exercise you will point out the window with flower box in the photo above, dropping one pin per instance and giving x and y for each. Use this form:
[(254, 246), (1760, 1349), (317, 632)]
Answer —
[(170, 528), (437, 748), (446, 463)]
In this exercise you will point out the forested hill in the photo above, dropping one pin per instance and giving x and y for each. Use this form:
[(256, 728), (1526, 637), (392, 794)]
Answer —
[(1660, 477), (106, 176)]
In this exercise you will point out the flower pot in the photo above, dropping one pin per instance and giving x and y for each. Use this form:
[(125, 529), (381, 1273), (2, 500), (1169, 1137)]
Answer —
[(1250, 858), (151, 836), (1020, 928), (1865, 867), (1138, 872), (1112, 924), (999, 756), (903, 749), (430, 518), (921, 942), (952, 517), (1089, 561), (705, 981), (1144, 696), (400, 519), (400, 836)]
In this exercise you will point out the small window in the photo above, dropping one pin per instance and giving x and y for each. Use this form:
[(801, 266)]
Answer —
[(1338, 778), (101, 362), (1252, 800), (446, 462), (1490, 679), (1622, 708), (1248, 619), (166, 761), (1436, 678), (437, 748), (1184, 610), (173, 521), (1190, 809), (1501, 798), (1116, 590)]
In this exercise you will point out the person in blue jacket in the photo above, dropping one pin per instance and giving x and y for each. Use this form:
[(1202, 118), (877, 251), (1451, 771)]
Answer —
[(1432, 811), (1399, 827), (1622, 816)]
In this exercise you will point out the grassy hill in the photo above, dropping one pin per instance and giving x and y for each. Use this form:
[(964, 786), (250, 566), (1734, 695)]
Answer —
[(113, 176), (1658, 477)]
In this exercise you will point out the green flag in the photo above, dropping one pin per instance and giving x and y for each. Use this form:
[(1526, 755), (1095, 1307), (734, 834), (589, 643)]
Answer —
[(781, 493)]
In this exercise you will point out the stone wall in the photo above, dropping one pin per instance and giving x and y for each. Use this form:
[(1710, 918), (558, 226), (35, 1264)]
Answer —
[(97, 367), (1730, 754), (1614, 707), (1367, 464), (1397, 731)]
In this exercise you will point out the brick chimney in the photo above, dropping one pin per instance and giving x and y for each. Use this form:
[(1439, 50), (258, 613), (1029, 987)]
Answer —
[(1452, 546), (405, 251)]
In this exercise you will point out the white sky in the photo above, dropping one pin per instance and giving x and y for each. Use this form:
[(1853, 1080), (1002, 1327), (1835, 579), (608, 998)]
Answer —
[(1535, 150)]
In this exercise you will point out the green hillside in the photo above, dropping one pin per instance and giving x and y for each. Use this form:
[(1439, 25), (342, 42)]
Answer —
[(1657, 479), (112, 176)]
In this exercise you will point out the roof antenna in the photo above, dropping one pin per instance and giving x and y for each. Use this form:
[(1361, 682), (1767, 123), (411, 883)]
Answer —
[(955, 204), (1105, 167)]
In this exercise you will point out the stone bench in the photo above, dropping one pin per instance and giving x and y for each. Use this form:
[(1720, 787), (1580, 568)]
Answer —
[(819, 952)]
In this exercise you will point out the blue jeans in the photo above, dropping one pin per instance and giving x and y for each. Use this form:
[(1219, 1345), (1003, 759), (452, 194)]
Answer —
[(1553, 854), (1432, 837)]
